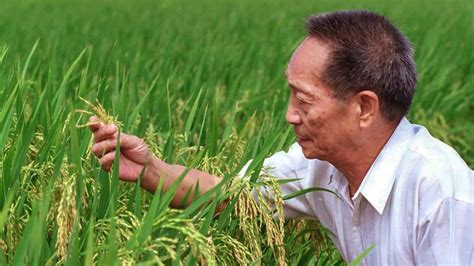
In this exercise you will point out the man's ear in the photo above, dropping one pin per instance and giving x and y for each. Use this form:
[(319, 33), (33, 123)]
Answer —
[(369, 106)]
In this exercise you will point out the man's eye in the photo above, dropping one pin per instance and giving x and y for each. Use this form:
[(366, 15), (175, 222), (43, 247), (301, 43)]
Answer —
[(302, 101)]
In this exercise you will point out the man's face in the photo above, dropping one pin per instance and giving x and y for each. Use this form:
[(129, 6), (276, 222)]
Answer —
[(323, 125)]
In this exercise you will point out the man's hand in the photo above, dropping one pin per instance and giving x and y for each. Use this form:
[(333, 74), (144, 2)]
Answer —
[(134, 153), (135, 156)]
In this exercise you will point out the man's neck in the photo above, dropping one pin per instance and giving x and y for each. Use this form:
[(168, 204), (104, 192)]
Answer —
[(355, 163)]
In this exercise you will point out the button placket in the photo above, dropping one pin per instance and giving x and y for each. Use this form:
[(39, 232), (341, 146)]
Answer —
[(357, 240), (356, 213)]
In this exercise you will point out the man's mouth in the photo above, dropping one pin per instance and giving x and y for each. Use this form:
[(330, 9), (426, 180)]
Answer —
[(302, 138)]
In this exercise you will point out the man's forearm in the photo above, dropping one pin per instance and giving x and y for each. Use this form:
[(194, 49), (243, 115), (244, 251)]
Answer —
[(168, 173)]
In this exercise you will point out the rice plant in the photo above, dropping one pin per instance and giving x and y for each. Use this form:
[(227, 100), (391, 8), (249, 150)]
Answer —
[(202, 82)]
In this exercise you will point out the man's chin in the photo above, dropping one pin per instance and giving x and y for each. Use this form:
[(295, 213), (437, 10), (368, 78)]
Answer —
[(308, 154)]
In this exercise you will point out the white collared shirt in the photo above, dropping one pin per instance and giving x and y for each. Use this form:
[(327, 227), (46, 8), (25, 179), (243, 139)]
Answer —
[(416, 203)]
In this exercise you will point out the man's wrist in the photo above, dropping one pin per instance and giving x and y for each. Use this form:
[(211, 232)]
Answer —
[(152, 174)]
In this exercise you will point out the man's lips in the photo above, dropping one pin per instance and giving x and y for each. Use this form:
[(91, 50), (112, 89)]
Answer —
[(302, 139)]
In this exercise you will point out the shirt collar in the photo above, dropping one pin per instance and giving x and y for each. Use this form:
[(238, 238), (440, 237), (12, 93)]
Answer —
[(378, 182)]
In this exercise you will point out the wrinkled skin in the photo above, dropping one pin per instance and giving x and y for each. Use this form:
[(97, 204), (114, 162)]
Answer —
[(134, 153), (324, 126)]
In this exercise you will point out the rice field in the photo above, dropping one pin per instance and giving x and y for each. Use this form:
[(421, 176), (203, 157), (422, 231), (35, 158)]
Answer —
[(202, 82)]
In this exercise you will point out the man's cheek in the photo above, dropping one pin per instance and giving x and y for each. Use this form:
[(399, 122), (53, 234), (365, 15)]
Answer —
[(314, 123)]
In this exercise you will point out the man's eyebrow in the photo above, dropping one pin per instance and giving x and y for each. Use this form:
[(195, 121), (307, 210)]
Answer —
[(303, 89)]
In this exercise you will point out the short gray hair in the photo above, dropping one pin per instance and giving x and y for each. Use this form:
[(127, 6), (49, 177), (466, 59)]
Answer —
[(367, 53)]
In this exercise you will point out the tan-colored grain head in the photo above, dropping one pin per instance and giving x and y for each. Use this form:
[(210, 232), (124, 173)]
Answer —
[(256, 207), (66, 213), (3, 246), (99, 111)]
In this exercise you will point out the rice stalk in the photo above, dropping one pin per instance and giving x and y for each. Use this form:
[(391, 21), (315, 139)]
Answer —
[(271, 198), (226, 160), (230, 251), (255, 208), (99, 111), (14, 226), (201, 247), (67, 213), (3, 246), (241, 91)]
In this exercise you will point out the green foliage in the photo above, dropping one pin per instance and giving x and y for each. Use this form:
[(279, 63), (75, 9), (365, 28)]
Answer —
[(202, 82)]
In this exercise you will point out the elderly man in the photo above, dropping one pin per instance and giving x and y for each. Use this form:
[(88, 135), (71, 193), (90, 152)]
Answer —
[(352, 80)]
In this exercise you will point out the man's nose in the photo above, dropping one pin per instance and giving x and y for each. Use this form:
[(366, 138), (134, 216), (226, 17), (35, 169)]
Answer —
[(292, 117)]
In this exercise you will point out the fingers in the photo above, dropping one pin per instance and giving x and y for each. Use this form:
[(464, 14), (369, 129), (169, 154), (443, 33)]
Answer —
[(100, 130), (94, 123), (130, 141), (104, 147), (108, 145), (105, 132), (107, 160)]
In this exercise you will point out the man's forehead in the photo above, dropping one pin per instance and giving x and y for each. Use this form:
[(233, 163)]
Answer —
[(285, 73), (308, 59), (299, 83), (291, 73), (294, 57)]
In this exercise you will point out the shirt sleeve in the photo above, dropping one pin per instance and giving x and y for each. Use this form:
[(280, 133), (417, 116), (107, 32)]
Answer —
[(446, 236), (287, 165)]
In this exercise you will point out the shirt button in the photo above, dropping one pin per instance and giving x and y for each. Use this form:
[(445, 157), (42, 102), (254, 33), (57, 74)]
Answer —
[(357, 223)]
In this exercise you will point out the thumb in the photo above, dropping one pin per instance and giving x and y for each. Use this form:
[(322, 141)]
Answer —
[(94, 123)]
